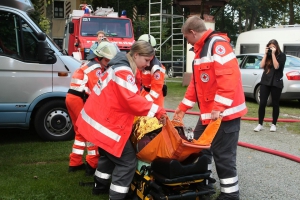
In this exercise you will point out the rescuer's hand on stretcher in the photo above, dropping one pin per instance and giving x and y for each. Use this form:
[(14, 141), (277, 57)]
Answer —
[(161, 115), (163, 119), (178, 114), (215, 114)]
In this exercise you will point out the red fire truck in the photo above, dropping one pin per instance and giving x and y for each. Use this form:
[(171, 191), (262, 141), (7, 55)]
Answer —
[(82, 27)]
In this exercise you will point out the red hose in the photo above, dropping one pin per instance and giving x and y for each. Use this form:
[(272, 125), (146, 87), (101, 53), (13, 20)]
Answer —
[(244, 118), (270, 151), (259, 148)]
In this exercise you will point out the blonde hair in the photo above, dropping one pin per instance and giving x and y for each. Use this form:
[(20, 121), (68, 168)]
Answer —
[(142, 48), (194, 23)]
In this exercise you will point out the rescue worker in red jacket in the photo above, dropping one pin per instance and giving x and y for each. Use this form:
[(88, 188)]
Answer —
[(107, 116), (151, 79), (83, 80), (216, 86)]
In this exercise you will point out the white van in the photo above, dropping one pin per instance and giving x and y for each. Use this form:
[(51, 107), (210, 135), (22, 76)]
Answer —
[(34, 75), (255, 41)]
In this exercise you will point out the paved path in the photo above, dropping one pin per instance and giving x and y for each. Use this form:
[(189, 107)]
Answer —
[(262, 175)]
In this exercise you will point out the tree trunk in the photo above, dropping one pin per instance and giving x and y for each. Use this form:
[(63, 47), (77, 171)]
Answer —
[(292, 13), (240, 21)]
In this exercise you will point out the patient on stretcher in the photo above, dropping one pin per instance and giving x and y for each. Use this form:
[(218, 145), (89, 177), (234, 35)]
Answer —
[(146, 129)]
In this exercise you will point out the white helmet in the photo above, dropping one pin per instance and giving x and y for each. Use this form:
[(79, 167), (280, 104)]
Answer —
[(148, 38), (105, 49)]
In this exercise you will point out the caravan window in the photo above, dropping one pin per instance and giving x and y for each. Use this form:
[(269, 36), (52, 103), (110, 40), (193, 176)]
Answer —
[(293, 50), (249, 48)]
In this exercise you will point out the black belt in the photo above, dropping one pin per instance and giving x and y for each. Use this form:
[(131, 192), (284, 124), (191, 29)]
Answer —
[(146, 89), (83, 95)]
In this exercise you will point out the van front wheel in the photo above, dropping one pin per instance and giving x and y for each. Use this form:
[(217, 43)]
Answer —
[(52, 122)]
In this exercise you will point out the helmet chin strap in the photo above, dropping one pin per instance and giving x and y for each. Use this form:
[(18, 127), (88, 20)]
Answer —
[(98, 59)]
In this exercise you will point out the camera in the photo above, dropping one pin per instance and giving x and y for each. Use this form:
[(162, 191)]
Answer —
[(104, 39), (269, 52)]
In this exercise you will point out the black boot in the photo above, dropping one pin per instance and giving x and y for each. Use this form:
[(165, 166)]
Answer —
[(76, 168), (89, 171), (100, 189)]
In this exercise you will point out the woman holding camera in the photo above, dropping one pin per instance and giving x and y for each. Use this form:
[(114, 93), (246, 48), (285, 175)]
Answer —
[(271, 82)]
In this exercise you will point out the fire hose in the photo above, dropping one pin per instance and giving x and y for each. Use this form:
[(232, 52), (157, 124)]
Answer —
[(255, 147)]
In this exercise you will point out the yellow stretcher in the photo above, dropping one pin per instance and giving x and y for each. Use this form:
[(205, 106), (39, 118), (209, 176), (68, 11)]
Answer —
[(171, 167)]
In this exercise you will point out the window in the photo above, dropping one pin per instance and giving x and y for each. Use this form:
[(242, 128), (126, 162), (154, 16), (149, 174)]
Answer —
[(164, 19), (9, 32), (252, 62), (240, 59), (59, 42), (11, 43), (141, 11), (115, 27), (293, 50), (59, 9), (249, 48)]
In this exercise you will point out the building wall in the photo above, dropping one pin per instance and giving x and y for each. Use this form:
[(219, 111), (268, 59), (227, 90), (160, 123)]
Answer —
[(57, 12), (58, 23)]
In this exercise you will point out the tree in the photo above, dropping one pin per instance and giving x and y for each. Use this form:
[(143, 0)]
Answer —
[(41, 20), (243, 15)]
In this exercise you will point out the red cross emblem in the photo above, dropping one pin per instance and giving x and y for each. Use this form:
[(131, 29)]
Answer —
[(204, 77), (220, 50), (156, 75), (130, 79), (98, 73)]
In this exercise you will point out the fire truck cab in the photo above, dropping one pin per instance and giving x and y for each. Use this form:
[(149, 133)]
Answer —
[(81, 31)]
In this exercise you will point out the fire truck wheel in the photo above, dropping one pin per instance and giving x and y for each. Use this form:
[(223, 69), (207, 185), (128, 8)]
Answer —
[(52, 121)]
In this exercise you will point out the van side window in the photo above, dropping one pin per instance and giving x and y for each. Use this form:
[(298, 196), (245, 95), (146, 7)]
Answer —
[(17, 39), (30, 43), (9, 35)]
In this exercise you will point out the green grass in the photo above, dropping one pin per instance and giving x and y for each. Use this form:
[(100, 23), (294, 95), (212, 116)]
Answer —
[(37, 170), (32, 169), (288, 109)]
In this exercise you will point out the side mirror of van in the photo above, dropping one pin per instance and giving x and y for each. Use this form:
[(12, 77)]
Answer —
[(71, 27), (45, 53)]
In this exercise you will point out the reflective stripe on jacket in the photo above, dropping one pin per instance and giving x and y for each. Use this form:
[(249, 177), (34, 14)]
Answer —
[(216, 80), (153, 81), (84, 78), (107, 116)]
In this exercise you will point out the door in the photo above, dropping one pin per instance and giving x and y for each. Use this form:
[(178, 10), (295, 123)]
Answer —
[(251, 72), (22, 78)]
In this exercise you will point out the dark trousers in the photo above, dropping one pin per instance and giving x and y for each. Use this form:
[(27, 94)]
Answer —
[(223, 150), (121, 169), (264, 94)]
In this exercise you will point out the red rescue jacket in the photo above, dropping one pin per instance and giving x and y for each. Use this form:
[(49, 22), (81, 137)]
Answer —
[(216, 81), (84, 79), (107, 116), (152, 81)]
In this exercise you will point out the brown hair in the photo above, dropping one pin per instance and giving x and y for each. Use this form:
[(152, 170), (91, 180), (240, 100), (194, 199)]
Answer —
[(269, 62), (100, 32), (194, 23), (142, 48)]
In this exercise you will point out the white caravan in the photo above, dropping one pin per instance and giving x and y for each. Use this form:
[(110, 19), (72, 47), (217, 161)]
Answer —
[(255, 41)]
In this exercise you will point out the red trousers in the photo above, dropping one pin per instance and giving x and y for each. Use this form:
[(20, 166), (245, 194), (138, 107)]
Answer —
[(74, 105)]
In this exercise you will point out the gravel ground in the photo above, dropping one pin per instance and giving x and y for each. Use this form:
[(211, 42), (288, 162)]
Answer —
[(262, 175)]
